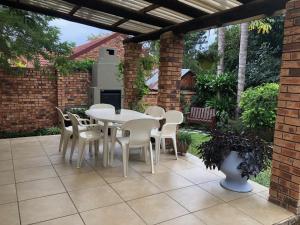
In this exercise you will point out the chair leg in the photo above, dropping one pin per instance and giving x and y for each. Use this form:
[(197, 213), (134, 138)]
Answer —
[(175, 147), (113, 144), (80, 153), (145, 150), (157, 149), (65, 141), (72, 147), (125, 159), (61, 141), (151, 158)]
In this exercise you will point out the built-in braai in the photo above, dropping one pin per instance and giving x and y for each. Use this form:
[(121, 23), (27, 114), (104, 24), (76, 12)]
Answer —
[(106, 87)]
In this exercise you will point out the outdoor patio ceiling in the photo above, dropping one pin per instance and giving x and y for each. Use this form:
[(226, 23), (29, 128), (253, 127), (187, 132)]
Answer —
[(148, 19)]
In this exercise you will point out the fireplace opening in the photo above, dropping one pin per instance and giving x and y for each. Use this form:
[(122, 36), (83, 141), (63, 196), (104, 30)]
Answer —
[(112, 97)]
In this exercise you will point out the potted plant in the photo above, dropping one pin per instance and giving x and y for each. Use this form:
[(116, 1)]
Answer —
[(184, 140), (238, 156)]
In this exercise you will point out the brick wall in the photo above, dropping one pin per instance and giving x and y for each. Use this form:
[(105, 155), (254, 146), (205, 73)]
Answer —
[(72, 90), (285, 181), (28, 101), (171, 54)]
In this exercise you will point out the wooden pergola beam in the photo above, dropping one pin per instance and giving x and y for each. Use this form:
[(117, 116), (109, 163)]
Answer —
[(180, 7), (242, 12), (65, 16), (118, 10)]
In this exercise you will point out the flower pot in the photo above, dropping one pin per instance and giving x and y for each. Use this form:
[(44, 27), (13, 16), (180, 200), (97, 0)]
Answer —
[(234, 181), (182, 148)]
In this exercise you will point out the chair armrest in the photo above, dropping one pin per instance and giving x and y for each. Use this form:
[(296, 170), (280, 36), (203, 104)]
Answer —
[(66, 117), (83, 121), (93, 127)]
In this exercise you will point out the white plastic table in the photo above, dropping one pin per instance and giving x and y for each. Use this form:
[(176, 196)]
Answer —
[(109, 115)]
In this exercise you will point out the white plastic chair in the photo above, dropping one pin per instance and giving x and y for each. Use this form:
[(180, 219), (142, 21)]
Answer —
[(155, 111), (66, 132), (139, 137), (173, 119), (92, 134)]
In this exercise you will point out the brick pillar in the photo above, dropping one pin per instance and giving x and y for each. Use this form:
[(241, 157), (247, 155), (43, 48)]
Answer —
[(131, 56), (61, 102), (285, 180), (171, 54)]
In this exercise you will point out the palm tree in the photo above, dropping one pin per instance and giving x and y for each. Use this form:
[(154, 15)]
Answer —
[(242, 63), (262, 26), (221, 46)]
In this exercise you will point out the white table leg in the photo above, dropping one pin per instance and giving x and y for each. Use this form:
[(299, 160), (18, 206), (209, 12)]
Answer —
[(105, 144)]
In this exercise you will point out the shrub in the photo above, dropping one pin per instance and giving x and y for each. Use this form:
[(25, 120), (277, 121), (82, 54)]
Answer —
[(79, 111), (259, 106), (217, 92), (39, 132)]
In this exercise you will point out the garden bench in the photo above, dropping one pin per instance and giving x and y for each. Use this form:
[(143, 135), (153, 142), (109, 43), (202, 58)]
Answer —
[(202, 115)]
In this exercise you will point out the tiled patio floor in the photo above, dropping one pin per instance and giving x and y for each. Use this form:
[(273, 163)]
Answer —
[(38, 187)]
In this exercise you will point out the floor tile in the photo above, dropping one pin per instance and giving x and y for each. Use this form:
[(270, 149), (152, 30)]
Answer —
[(7, 177), (52, 149), (23, 140), (194, 198), (177, 164), (81, 181), (217, 190), (69, 169), (92, 198), (34, 173), (257, 187), (5, 155), (225, 214), (39, 188), (135, 188), (198, 175), (115, 174), (189, 219), (45, 208), (5, 146), (119, 214), (145, 169), (9, 214), (68, 220), (261, 209), (157, 208), (6, 165), (264, 194), (31, 162), (28, 153), (169, 181), (8, 193)]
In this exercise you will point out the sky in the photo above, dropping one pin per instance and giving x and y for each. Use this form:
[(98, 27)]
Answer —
[(78, 33)]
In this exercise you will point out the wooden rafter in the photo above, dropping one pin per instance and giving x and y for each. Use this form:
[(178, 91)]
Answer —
[(66, 16), (118, 10), (242, 12)]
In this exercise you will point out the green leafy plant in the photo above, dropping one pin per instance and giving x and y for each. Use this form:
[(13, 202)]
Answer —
[(79, 111), (184, 140), (38, 132), (259, 106), (255, 153)]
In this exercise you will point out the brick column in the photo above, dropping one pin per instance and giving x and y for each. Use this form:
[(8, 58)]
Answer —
[(171, 54), (132, 54), (285, 180)]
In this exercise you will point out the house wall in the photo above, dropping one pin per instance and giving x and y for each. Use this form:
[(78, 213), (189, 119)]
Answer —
[(27, 102), (116, 43), (188, 81)]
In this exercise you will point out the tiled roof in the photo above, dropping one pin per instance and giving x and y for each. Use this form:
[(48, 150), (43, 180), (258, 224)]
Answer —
[(82, 49)]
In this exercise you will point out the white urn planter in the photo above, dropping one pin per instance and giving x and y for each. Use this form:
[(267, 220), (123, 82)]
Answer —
[(234, 181)]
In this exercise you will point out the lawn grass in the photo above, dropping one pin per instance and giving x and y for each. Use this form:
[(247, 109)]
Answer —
[(262, 178)]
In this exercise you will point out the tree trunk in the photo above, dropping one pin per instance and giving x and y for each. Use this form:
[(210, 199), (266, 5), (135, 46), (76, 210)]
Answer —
[(242, 63), (221, 46)]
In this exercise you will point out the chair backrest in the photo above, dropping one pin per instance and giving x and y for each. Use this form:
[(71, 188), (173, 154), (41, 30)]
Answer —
[(140, 130), (174, 116), (169, 129), (61, 118), (155, 111), (203, 113), (75, 124), (102, 106)]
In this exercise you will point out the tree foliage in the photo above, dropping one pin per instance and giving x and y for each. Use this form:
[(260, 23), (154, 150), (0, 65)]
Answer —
[(29, 35)]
